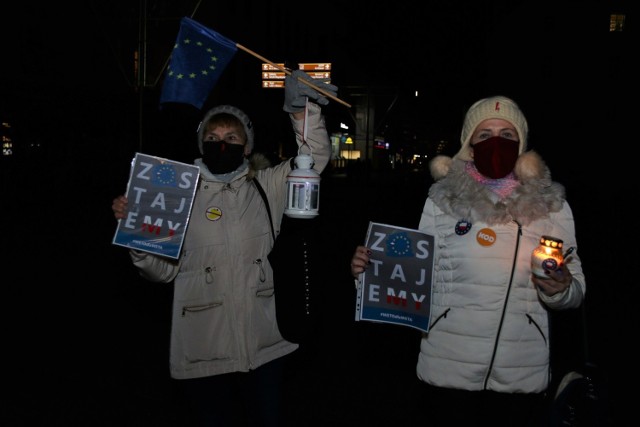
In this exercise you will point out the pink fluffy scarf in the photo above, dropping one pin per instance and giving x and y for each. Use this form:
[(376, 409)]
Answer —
[(502, 187)]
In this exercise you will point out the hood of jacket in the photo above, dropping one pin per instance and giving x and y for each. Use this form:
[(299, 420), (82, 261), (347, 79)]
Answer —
[(459, 195)]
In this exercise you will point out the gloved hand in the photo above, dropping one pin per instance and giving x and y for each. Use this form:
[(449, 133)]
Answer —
[(296, 92)]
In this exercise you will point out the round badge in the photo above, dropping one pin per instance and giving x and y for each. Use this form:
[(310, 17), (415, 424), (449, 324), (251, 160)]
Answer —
[(550, 264), (213, 214), (486, 237), (463, 227)]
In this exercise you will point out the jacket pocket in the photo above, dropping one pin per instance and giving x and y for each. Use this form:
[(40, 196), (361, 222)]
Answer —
[(201, 323), (533, 323), (440, 317), (203, 331), (264, 319)]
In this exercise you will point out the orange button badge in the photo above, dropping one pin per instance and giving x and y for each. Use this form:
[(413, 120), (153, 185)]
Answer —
[(486, 237)]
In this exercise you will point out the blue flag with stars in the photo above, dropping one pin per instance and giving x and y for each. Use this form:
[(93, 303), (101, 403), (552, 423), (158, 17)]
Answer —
[(199, 57)]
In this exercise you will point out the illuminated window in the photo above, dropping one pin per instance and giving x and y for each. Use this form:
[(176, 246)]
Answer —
[(616, 23), (5, 137), (7, 147), (350, 154)]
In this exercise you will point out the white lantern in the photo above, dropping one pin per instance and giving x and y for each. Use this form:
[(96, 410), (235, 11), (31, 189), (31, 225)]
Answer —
[(303, 189)]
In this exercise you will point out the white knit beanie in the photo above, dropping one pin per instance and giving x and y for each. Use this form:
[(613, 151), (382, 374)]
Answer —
[(496, 107), (230, 109)]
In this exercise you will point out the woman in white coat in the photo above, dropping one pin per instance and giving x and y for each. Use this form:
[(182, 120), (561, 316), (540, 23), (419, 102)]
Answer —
[(486, 355)]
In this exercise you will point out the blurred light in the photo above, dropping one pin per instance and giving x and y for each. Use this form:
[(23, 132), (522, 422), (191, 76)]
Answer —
[(616, 23), (350, 154)]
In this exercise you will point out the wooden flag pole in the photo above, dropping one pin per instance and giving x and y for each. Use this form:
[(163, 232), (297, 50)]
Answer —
[(322, 91)]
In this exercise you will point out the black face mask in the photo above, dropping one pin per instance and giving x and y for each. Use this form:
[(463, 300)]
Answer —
[(221, 157)]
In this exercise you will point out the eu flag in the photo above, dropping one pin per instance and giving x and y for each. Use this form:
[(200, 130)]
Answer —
[(199, 57)]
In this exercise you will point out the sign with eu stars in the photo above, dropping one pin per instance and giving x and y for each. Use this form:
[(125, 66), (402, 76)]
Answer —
[(160, 194), (396, 287)]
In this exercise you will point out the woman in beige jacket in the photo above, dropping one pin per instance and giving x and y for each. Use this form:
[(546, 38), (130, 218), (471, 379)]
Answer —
[(225, 344)]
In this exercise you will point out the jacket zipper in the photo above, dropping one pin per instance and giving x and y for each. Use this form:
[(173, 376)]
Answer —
[(504, 306)]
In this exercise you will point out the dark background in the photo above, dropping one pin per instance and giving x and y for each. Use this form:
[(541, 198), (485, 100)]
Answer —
[(78, 317)]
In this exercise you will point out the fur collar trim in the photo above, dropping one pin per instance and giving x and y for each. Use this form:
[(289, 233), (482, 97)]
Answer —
[(257, 161), (459, 195)]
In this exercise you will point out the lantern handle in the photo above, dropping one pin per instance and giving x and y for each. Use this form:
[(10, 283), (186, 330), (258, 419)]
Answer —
[(308, 146)]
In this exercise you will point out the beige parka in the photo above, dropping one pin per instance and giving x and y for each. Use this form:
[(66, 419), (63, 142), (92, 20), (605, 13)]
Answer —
[(224, 316)]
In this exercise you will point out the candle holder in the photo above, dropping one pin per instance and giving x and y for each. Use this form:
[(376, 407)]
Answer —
[(547, 256)]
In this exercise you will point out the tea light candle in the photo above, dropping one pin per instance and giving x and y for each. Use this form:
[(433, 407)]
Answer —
[(547, 256)]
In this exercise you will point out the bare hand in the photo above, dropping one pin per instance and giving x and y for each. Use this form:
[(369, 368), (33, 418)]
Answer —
[(119, 207), (360, 260), (558, 281)]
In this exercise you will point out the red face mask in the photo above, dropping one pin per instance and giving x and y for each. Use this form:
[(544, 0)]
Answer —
[(495, 157)]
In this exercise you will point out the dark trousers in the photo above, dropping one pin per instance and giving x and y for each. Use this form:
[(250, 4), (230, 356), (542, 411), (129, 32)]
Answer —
[(238, 399), (450, 407)]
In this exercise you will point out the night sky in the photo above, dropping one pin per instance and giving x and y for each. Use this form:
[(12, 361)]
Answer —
[(79, 60)]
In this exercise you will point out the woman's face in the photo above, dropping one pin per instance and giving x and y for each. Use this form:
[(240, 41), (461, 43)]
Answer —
[(228, 134), (494, 148), (494, 127)]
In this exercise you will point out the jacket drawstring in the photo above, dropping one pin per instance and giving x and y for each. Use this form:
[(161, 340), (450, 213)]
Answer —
[(263, 275)]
